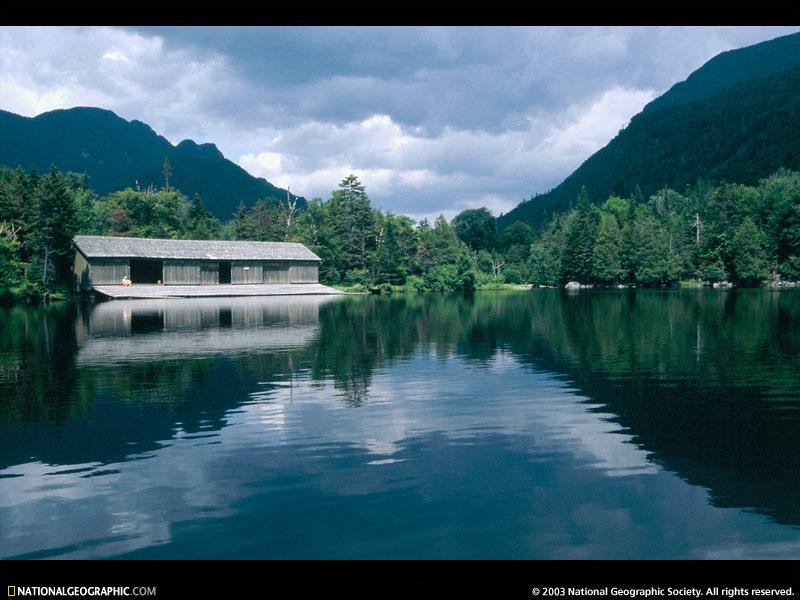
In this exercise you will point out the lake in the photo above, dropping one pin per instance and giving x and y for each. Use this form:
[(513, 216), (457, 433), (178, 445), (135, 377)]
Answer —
[(532, 424)]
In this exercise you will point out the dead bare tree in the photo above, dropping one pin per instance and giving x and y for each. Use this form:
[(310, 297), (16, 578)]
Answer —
[(291, 211), (497, 265), (9, 229)]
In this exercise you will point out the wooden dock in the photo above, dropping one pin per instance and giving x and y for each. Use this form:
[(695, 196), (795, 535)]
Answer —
[(213, 291)]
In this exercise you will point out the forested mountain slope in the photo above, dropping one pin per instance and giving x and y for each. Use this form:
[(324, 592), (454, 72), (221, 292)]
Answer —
[(116, 153), (737, 118)]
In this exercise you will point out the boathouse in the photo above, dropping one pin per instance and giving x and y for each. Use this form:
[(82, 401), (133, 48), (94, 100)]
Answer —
[(105, 261)]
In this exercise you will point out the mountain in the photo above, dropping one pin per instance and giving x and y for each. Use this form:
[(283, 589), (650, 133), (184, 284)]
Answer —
[(737, 118), (116, 153)]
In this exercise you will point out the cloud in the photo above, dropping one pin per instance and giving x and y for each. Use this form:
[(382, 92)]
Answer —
[(431, 119), (468, 168), (116, 55), (131, 74), (592, 128)]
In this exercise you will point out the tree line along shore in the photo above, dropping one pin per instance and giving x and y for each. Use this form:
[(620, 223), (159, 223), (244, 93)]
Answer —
[(708, 234)]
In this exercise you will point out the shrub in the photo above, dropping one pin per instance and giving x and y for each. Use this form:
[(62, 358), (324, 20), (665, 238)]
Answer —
[(443, 278), (356, 277), (513, 274), (715, 272), (415, 283)]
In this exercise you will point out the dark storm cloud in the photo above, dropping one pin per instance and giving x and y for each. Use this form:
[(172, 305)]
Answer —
[(432, 119), (466, 78)]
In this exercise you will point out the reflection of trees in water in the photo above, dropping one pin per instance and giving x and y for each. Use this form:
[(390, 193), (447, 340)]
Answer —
[(709, 337), (706, 381), (38, 379), (56, 410), (358, 335), (736, 339)]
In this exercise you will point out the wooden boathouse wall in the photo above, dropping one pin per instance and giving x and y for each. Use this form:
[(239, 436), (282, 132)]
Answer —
[(100, 271), (186, 272), (246, 271), (103, 260), (304, 273), (191, 272), (275, 272)]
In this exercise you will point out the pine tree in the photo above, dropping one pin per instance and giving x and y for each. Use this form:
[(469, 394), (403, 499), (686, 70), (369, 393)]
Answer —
[(790, 238), (629, 237), (53, 227), (778, 219), (11, 268), (202, 225), (354, 222), (389, 264), (425, 255), (239, 223), (446, 245), (607, 253), (747, 254), (15, 192), (654, 260), (576, 255), (543, 265), (265, 222)]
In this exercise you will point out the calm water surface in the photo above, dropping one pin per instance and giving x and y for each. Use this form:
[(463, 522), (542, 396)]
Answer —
[(541, 424)]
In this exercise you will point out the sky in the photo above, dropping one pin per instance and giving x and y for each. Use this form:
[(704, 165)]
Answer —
[(431, 119)]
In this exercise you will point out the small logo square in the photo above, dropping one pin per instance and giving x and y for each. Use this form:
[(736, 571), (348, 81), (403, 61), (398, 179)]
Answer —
[(12, 590)]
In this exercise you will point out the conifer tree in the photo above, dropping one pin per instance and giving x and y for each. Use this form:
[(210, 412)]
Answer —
[(576, 254), (239, 222), (354, 222), (607, 253), (748, 257), (543, 264), (202, 225), (54, 229)]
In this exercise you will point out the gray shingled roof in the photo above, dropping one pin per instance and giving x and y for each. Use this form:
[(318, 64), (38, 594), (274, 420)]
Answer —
[(97, 246)]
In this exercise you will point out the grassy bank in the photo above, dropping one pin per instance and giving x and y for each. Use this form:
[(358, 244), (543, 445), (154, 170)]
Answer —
[(387, 288), (486, 287), (692, 283), (27, 295)]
